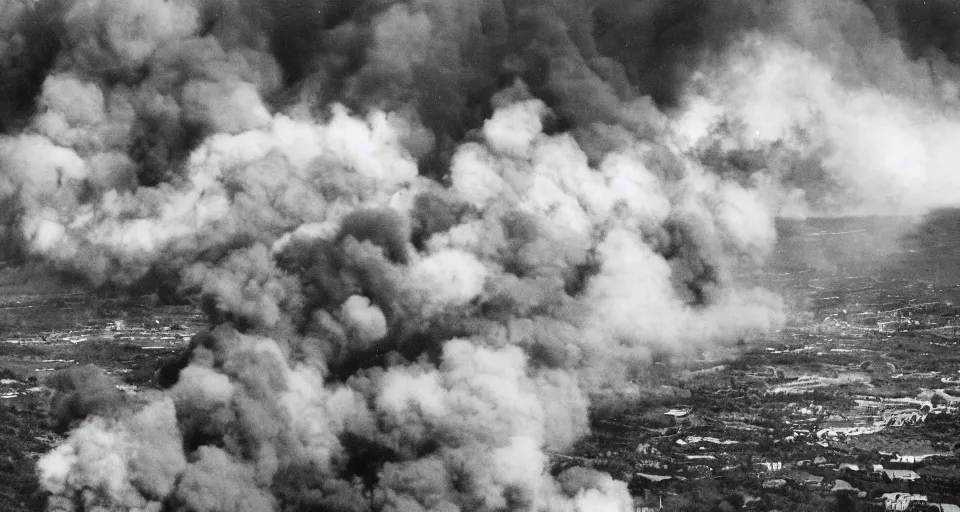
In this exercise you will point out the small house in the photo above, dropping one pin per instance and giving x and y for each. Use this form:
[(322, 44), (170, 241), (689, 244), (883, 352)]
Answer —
[(901, 475)]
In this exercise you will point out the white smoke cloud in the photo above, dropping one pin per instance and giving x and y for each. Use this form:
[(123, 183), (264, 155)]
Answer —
[(488, 408), (118, 465), (419, 279), (365, 319), (878, 123)]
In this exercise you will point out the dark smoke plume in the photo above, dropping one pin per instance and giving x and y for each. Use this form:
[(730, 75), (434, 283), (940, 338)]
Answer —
[(428, 233)]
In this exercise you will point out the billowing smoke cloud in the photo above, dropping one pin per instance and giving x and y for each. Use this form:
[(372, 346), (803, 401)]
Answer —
[(848, 119), (82, 391), (427, 232)]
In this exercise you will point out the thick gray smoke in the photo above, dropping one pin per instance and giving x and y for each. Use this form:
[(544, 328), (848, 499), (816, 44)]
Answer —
[(427, 232), (848, 118)]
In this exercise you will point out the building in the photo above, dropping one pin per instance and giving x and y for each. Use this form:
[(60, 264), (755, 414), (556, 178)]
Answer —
[(902, 475), (900, 500), (945, 507), (774, 483), (843, 486), (768, 466), (904, 460), (802, 477)]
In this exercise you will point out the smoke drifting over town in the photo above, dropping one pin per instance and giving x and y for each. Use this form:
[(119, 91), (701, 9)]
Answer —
[(427, 232)]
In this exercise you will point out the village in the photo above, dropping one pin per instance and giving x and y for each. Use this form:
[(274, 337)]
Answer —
[(832, 438), (856, 403), (843, 405)]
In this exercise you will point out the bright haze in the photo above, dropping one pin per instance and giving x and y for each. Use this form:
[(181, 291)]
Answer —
[(428, 233)]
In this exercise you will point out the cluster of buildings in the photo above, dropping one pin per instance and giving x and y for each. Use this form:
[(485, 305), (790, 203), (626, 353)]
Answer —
[(914, 502), (789, 438)]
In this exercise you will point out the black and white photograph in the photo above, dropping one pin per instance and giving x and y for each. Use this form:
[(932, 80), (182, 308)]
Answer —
[(479, 255)]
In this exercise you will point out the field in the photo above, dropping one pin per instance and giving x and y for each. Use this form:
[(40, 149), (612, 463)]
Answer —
[(42, 333), (864, 374)]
